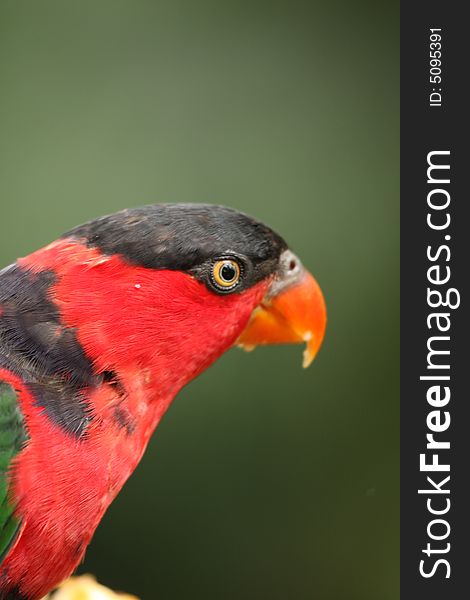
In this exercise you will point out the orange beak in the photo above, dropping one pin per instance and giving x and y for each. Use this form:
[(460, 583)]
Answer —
[(293, 315)]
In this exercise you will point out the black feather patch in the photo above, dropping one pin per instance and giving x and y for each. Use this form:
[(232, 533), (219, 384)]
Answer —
[(36, 346), (121, 414), (12, 594), (124, 419)]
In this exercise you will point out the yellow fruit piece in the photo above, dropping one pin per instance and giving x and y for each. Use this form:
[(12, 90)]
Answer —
[(86, 587)]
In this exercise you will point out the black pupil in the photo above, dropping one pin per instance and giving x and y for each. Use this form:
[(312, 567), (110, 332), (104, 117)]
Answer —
[(228, 273)]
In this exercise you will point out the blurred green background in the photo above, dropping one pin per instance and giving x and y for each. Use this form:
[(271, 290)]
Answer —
[(283, 484)]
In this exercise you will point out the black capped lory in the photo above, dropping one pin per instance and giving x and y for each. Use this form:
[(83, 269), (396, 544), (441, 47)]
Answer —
[(99, 331)]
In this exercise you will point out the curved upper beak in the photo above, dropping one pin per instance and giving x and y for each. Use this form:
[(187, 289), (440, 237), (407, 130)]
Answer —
[(293, 311)]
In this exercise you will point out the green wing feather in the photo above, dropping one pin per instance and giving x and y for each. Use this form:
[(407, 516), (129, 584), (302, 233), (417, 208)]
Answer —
[(12, 437)]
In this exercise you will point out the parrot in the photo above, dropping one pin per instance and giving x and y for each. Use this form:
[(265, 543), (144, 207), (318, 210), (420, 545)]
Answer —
[(99, 331)]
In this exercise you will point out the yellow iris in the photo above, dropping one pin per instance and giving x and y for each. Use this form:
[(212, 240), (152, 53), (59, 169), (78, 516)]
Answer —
[(226, 273)]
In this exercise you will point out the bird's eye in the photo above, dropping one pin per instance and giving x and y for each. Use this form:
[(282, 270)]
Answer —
[(226, 274)]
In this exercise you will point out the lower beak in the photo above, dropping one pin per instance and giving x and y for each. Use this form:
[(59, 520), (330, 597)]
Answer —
[(294, 315)]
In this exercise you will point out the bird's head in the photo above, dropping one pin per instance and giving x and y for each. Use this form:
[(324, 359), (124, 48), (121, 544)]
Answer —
[(170, 287)]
